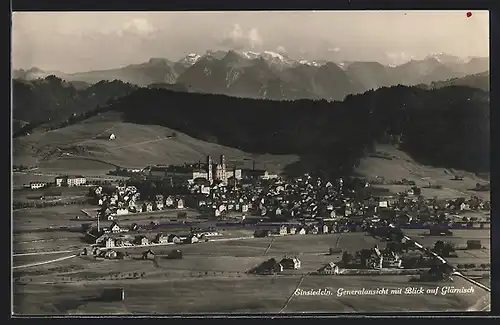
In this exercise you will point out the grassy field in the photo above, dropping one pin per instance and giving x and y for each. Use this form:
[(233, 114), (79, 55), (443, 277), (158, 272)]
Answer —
[(28, 222), (195, 283), (135, 146), (42, 218), (241, 294), (47, 241), (68, 194), (403, 166)]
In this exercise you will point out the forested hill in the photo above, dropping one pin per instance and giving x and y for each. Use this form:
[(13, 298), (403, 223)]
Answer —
[(446, 127), (42, 100)]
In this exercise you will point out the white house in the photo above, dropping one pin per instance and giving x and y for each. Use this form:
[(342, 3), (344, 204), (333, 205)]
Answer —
[(110, 242), (291, 263), (37, 185), (115, 228), (112, 136), (121, 211), (330, 268)]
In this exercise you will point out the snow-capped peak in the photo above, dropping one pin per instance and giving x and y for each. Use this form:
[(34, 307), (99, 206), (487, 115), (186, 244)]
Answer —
[(190, 59), (251, 55), (311, 63), (273, 55), (267, 55), (445, 58)]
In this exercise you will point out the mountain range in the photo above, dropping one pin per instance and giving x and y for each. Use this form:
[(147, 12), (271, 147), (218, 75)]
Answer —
[(271, 75)]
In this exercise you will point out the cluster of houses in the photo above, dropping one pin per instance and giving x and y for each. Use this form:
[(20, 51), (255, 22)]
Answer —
[(112, 254), (373, 258), (123, 200), (116, 236), (309, 198), (283, 230), (63, 180), (276, 198)]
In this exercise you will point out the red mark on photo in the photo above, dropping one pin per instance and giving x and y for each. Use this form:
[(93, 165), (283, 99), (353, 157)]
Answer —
[(469, 14)]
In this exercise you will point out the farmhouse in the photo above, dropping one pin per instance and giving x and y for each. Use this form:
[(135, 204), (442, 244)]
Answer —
[(172, 238), (161, 238), (141, 240), (110, 254), (292, 263), (110, 242), (330, 268), (261, 233), (474, 244), (270, 266), (191, 239), (148, 255), (371, 258), (115, 228), (169, 201), (392, 260), (175, 254)]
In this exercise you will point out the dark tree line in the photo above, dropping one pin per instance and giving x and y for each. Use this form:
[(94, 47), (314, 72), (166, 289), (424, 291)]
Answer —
[(446, 127)]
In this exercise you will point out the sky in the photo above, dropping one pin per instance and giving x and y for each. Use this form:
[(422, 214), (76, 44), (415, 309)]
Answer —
[(83, 41)]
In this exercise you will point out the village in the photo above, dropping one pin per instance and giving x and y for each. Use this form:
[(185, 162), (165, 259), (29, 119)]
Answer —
[(217, 221), (198, 203)]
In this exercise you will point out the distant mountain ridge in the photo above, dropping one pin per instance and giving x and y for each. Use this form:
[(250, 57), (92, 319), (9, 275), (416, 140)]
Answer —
[(272, 75)]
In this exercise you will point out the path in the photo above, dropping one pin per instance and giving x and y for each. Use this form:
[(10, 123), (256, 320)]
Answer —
[(42, 263), (293, 292), (269, 246)]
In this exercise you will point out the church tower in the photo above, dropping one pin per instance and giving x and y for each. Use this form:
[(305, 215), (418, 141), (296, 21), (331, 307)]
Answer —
[(223, 166), (210, 170)]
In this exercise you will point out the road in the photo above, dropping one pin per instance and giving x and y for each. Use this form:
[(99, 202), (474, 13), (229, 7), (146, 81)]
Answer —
[(44, 262), (45, 253)]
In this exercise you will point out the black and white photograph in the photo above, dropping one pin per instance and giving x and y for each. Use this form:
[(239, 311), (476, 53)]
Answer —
[(250, 162)]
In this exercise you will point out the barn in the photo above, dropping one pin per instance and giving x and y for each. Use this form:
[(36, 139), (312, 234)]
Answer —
[(113, 294)]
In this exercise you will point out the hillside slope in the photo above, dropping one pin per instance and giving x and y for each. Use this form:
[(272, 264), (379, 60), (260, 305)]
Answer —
[(136, 145), (398, 165), (479, 81)]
